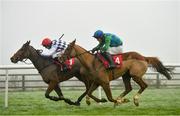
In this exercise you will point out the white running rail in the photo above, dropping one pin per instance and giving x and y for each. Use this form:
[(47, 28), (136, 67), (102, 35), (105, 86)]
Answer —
[(7, 68)]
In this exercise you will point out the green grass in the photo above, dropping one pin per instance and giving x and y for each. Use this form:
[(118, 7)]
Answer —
[(152, 102)]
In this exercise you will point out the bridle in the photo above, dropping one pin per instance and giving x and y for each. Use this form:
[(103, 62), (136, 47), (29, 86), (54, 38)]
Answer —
[(21, 59)]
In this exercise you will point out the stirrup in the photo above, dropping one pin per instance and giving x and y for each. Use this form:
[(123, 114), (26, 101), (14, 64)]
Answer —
[(112, 66)]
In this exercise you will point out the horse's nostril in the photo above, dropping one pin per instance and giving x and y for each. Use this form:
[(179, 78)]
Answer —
[(11, 58)]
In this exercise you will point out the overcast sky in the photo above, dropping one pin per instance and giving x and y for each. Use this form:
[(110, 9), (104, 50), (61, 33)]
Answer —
[(150, 27)]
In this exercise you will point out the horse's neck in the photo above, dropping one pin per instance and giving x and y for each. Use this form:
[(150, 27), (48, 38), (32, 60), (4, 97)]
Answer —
[(86, 59), (38, 61)]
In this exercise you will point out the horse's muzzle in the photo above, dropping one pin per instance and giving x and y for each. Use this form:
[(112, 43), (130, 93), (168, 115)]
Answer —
[(14, 60)]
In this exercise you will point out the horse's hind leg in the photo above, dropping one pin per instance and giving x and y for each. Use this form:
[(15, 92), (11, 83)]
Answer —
[(142, 85), (127, 83)]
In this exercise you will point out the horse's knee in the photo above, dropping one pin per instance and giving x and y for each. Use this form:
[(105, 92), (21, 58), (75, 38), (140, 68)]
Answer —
[(46, 95), (129, 89), (145, 86)]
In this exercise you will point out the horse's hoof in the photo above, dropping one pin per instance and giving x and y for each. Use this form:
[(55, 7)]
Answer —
[(125, 100), (77, 104), (136, 102), (88, 102), (119, 101), (115, 104), (103, 100)]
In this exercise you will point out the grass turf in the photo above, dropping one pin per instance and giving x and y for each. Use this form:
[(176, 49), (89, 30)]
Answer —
[(152, 102)]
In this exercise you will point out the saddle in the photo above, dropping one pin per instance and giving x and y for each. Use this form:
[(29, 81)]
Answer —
[(67, 65), (116, 58)]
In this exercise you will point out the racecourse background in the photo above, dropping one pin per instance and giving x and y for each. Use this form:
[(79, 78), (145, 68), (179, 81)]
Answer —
[(150, 27)]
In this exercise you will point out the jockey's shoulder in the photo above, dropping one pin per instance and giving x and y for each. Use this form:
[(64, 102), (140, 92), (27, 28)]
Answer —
[(111, 36), (54, 42), (108, 34), (59, 42)]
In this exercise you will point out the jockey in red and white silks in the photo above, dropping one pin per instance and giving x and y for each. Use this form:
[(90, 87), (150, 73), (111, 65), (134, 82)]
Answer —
[(55, 48)]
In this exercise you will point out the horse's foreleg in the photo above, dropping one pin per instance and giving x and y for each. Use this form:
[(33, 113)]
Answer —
[(80, 98), (107, 90), (58, 91), (50, 88), (84, 94), (90, 91), (90, 95), (143, 86), (61, 97)]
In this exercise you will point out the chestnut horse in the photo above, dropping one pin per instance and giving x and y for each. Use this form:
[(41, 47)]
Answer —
[(51, 73), (136, 66)]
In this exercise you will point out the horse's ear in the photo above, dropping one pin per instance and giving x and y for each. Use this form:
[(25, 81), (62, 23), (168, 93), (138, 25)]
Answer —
[(28, 42), (73, 42)]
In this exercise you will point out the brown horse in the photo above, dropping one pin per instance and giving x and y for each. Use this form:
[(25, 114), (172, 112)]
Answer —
[(153, 62), (136, 66), (51, 73)]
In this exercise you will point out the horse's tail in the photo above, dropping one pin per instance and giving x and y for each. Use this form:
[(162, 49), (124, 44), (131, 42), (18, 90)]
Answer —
[(159, 67)]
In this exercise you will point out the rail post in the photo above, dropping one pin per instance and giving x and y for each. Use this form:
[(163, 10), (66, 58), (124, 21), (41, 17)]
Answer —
[(100, 93), (6, 89), (158, 83), (23, 82)]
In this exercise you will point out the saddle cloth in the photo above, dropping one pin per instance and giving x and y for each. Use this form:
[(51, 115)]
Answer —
[(67, 64), (116, 58)]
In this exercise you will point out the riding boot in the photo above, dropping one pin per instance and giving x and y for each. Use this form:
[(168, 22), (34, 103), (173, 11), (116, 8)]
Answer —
[(65, 67), (109, 58)]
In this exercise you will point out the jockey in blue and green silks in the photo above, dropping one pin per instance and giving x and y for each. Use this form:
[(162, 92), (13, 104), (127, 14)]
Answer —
[(108, 44)]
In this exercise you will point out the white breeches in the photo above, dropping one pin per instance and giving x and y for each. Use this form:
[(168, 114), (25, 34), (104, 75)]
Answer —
[(115, 50), (57, 54)]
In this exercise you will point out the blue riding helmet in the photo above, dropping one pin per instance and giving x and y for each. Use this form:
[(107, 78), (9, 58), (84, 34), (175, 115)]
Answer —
[(98, 34)]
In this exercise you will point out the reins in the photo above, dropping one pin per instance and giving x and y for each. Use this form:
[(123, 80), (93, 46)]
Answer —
[(24, 61), (83, 53), (77, 54)]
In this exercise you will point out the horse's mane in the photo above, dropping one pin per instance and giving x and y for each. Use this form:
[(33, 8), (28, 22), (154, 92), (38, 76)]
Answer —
[(36, 50), (84, 49)]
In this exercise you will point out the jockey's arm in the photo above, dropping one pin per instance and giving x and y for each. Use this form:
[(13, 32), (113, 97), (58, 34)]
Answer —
[(107, 43), (48, 53), (98, 46)]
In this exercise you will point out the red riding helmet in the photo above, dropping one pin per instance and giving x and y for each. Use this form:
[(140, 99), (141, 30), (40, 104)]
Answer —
[(46, 42)]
